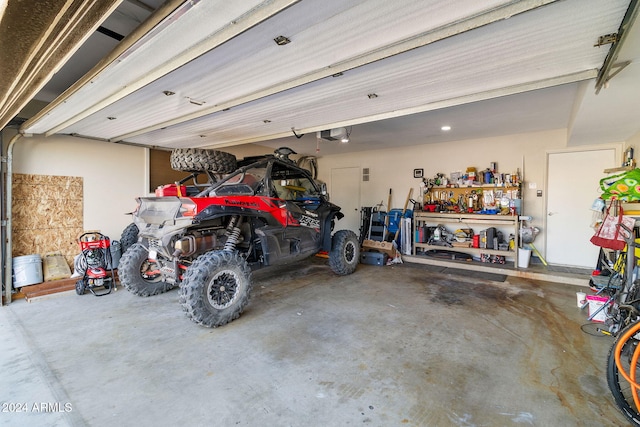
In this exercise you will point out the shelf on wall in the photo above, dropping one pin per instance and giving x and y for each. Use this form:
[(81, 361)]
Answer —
[(511, 222), (619, 169)]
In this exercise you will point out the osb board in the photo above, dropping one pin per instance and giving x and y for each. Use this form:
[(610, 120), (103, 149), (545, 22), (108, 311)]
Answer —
[(47, 215)]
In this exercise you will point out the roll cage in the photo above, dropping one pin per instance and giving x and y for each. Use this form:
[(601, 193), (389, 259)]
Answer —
[(269, 177)]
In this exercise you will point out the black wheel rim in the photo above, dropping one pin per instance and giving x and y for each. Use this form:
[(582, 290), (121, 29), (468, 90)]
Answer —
[(150, 271), (223, 289), (349, 252)]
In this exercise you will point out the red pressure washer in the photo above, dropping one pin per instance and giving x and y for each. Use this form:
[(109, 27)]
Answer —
[(97, 265)]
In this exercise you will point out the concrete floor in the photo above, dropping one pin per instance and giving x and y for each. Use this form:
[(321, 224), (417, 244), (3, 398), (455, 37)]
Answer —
[(404, 345)]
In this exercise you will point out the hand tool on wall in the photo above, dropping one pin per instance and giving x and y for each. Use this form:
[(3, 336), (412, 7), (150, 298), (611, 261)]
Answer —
[(386, 219), (404, 210)]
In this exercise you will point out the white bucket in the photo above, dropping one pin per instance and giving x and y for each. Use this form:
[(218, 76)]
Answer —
[(581, 299), (27, 270), (524, 256)]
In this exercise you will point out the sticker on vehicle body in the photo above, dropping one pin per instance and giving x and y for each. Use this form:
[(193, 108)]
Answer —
[(307, 221), (242, 203)]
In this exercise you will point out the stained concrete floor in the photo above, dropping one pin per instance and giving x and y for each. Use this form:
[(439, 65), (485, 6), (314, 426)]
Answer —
[(403, 345)]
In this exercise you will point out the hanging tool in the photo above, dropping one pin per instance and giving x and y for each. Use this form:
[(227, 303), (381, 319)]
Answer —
[(389, 201), (404, 211), (386, 219), (539, 255)]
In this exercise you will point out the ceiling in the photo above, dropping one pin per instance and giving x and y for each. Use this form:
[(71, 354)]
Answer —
[(208, 73)]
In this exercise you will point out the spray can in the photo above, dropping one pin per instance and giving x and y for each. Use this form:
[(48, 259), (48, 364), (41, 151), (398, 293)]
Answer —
[(628, 157)]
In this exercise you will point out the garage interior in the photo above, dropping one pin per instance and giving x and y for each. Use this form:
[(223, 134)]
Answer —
[(95, 95)]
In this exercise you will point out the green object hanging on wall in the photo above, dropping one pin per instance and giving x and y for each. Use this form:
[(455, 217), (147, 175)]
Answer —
[(623, 186)]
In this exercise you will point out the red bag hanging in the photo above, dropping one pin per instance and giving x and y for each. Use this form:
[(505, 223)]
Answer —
[(610, 234)]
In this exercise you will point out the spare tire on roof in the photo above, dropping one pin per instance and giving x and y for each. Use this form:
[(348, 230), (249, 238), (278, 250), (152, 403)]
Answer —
[(202, 160)]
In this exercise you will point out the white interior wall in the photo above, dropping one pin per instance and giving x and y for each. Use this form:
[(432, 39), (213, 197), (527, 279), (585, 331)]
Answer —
[(113, 175), (634, 142), (393, 167)]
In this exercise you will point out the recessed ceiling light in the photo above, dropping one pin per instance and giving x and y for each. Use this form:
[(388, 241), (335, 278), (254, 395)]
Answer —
[(281, 40), (445, 128), (168, 92)]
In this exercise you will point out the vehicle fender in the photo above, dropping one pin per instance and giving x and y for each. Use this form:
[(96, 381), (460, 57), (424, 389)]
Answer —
[(328, 229)]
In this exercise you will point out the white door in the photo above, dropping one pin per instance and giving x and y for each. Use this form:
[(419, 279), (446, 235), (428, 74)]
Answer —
[(345, 192), (572, 186)]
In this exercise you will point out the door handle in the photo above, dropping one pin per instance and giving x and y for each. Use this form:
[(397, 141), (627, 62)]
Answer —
[(551, 213)]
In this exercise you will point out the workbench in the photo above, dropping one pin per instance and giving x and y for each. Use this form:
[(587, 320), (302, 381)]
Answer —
[(509, 223)]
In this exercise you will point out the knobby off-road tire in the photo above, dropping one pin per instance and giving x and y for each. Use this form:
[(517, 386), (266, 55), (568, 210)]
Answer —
[(133, 269), (345, 252), (128, 237), (621, 388), (216, 288), (201, 160)]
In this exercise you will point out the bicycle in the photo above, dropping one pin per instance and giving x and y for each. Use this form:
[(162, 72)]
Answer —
[(623, 372), (623, 318), (622, 289)]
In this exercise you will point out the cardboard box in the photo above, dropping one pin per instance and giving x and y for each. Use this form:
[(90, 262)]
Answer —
[(461, 244), (385, 247)]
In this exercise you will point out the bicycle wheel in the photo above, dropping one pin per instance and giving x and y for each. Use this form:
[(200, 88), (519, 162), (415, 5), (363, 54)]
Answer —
[(619, 386), (630, 304)]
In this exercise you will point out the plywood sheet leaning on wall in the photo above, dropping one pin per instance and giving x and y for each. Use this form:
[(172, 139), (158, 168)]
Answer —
[(47, 215)]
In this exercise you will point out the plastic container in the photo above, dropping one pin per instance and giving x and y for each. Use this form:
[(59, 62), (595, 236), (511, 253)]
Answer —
[(116, 253), (395, 215), (524, 256), (171, 190), (581, 299), (27, 270)]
